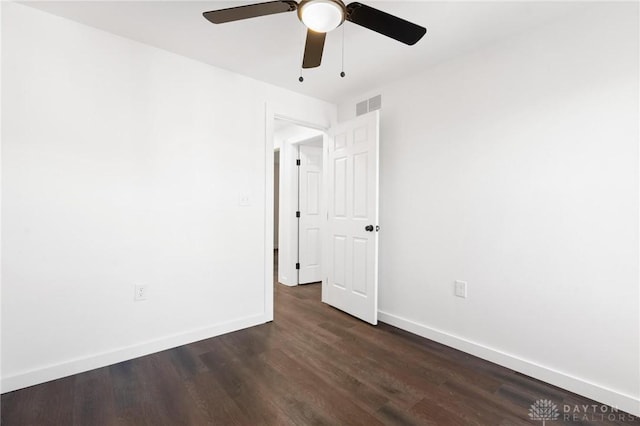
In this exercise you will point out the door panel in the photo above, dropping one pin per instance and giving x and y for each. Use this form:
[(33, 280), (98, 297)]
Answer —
[(360, 175), (310, 243), (340, 187), (313, 245), (339, 257), (360, 255), (313, 194), (352, 176)]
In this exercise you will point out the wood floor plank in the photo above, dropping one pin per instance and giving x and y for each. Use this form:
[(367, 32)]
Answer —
[(186, 361), (265, 396), (390, 414), (487, 405), (94, 402), (215, 404), (368, 371), (40, 405), (128, 392), (441, 403), (329, 398), (369, 397)]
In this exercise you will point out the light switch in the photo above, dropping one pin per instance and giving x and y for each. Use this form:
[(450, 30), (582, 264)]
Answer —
[(244, 200), (461, 289)]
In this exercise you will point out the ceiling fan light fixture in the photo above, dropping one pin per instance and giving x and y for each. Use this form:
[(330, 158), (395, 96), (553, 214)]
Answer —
[(322, 16)]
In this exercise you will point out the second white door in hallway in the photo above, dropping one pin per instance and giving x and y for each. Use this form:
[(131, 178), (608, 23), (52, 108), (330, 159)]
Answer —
[(310, 207)]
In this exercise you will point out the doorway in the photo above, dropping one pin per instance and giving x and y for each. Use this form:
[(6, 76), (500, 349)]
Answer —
[(298, 202), (350, 212)]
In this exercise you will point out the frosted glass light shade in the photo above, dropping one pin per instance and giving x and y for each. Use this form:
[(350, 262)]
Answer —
[(321, 16)]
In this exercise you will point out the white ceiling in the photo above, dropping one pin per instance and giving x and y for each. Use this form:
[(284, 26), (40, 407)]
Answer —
[(269, 48)]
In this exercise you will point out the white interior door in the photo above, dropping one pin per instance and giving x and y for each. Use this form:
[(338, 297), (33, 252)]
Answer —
[(310, 207), (352, 217)]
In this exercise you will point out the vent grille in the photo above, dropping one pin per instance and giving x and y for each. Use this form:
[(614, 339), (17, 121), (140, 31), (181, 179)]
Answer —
[(362, 108), (375, 103), (369, 105)]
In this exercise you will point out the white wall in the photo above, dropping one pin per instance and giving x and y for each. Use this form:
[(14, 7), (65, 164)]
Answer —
[(125, 164), (515, 168)]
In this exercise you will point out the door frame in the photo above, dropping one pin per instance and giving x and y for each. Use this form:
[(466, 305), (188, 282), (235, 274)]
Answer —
[(273, 112)]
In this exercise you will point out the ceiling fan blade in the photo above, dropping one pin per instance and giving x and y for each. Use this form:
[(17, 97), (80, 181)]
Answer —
[(250, 11), (384, 23), (313, 49)]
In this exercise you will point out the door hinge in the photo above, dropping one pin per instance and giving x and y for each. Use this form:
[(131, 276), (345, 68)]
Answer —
[(297, 214), (297, 266), (298, 162)]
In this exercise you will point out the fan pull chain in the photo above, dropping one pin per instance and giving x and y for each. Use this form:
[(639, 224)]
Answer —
[(304, 33), (342, 74)]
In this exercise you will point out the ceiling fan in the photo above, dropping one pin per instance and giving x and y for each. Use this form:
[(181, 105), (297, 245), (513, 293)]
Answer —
[(322, 16)]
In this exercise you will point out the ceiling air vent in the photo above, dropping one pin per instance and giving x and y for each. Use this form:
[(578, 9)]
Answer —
[(362, 107), (369, 105), (375, 103)]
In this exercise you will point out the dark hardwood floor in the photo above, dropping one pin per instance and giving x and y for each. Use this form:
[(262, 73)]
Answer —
[(313, 365)]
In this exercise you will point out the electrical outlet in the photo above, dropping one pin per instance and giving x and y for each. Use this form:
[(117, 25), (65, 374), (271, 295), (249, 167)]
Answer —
[(140, 292), (460, 288)]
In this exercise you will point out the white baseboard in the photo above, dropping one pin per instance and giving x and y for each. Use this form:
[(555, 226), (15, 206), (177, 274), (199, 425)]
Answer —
[(80, 365), (287, 283), (583, 387)]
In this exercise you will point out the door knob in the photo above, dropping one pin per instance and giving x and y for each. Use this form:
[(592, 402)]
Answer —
[(368, 228)]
